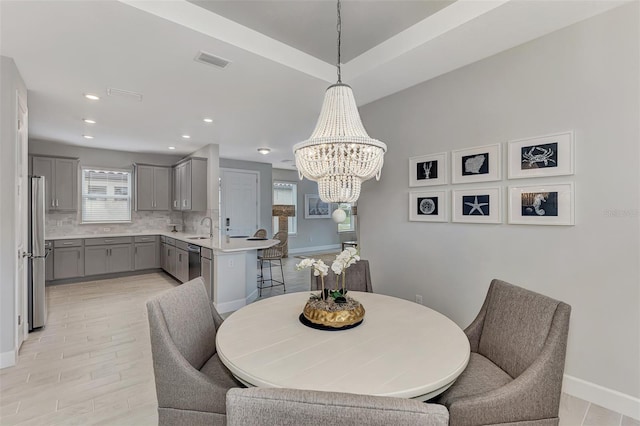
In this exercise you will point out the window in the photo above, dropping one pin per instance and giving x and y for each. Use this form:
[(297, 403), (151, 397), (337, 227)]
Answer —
[(286, 193), (349, 223), (106, 196)]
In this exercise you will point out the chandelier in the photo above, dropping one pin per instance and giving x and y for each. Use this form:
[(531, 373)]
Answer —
[(339, 155)]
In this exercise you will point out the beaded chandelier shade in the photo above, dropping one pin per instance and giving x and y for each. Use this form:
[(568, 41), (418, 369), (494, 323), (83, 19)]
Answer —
[(339, 155)]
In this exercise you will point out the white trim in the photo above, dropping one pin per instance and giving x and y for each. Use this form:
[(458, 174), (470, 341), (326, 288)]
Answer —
[(231, 306), (605, 397), (314, 249), (252, 297), (7, 359)]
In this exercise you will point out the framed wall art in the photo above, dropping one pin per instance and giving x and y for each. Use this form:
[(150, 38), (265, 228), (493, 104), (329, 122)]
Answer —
[(542, 204), (479, 164), (427, 170), (315, 208), (428, 206), (550, 155), (481, 205)]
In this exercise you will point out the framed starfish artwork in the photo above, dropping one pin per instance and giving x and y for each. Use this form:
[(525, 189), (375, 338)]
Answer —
[(478, 205), (427, 170), (478, 164), (428, 206), (542, 204), (550, 155)]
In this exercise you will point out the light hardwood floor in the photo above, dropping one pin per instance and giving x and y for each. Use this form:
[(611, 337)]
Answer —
[(91, 364)]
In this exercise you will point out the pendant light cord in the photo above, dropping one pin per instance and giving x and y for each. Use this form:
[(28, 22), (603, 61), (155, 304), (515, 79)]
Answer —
[(339, 28)]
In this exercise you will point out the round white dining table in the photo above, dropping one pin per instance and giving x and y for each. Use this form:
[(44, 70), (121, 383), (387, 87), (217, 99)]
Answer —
[(401, 349)]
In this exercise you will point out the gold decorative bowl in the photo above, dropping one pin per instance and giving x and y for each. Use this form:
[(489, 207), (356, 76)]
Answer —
[(330, 315)]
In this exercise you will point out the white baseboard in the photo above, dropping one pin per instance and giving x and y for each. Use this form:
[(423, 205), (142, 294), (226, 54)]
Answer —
[(231, 306), (252, 297), (7, 359), (605, 397), (315, 249)]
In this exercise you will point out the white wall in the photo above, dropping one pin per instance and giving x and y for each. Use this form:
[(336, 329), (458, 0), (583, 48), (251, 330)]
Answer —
[(311, 233), (583, 78), (11, 83)]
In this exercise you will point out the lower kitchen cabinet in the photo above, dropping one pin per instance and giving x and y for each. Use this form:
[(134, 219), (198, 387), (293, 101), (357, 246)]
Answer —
[(68, 262), (48, 263), (182, 265), (206, 265), (108, 259), (146, 253)]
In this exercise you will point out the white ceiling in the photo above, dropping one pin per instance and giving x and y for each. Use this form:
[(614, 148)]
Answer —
[(270, 95)]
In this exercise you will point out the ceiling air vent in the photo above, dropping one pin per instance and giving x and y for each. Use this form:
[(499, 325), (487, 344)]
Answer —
[(121, 93), (209, 59)]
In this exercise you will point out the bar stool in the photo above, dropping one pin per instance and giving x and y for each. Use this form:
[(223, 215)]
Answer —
[(272, 254)]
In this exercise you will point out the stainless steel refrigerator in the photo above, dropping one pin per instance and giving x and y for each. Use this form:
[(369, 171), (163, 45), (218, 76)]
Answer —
[(37, 254)]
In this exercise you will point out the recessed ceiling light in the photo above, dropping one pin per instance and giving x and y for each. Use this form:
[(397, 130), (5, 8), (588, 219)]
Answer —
[(89, 121), (172, 147), (208, 120), (186, 137), (92, 96), (264, 151), (87, 136)]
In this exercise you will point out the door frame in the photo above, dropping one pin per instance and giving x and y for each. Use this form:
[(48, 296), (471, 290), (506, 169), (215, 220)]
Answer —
[(21, 212), (253, 172)]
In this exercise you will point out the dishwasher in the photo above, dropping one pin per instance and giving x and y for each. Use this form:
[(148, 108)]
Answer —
[(194, 261)]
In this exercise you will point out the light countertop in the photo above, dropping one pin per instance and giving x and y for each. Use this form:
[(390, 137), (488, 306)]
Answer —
[(228, 245)]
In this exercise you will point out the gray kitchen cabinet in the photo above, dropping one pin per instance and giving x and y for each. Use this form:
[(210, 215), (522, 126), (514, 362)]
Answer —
[(152, 187), (68, 259), (146, 254), (170, 258), (190, 185), (61, 181), (182, 265), (108, 255), (48, 262), (206, 265)]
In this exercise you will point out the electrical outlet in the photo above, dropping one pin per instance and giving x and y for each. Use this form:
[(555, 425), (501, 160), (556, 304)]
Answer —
[(231, 263), (419, 299), (58, 223), (310, 238)]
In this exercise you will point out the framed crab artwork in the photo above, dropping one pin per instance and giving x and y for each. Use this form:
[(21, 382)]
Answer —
[(550, 155)]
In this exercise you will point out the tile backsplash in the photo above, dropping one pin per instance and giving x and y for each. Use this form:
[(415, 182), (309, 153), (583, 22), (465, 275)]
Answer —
[(64, 224)]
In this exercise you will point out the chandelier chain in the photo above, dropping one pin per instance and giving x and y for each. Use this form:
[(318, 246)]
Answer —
[(339, 28)]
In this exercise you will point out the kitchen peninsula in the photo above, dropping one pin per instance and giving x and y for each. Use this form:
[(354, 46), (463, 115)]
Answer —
[(228, 266)]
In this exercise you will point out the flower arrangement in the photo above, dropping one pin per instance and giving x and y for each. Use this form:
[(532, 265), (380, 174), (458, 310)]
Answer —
[(339, 266)]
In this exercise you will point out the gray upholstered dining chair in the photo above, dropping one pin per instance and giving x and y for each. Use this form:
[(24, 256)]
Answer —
[(514, 376), (294, 407), (358, 278), (191, 381)]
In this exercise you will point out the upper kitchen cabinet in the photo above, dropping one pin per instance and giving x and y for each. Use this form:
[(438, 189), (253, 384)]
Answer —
[(61, 181), (190, 185), (152, 187)]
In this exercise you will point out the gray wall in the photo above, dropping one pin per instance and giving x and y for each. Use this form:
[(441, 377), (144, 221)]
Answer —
[(582, 78), (311, 232), (266, 193), (10, 82)]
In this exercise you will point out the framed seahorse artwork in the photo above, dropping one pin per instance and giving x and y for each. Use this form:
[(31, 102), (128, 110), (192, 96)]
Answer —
[(542, 204), (477, 164), (427, 170), (549, 155)]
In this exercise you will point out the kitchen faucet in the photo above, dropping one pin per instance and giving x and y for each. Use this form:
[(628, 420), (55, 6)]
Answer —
[(210, 225)]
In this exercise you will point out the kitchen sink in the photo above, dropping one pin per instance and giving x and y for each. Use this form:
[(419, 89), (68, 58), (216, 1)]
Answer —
[(197, 238)]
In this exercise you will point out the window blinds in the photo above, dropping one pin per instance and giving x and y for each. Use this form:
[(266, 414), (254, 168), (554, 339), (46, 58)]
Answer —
[(106, 196)]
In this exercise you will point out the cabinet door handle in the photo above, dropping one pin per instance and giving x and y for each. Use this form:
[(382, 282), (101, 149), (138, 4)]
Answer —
[(78, 254), (56, 202), (136, 250), (53, 204), (108, 241), (67, 244), (179, 257)]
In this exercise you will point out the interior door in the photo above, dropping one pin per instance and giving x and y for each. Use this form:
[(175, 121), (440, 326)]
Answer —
[(22, 214), (239, 202)]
